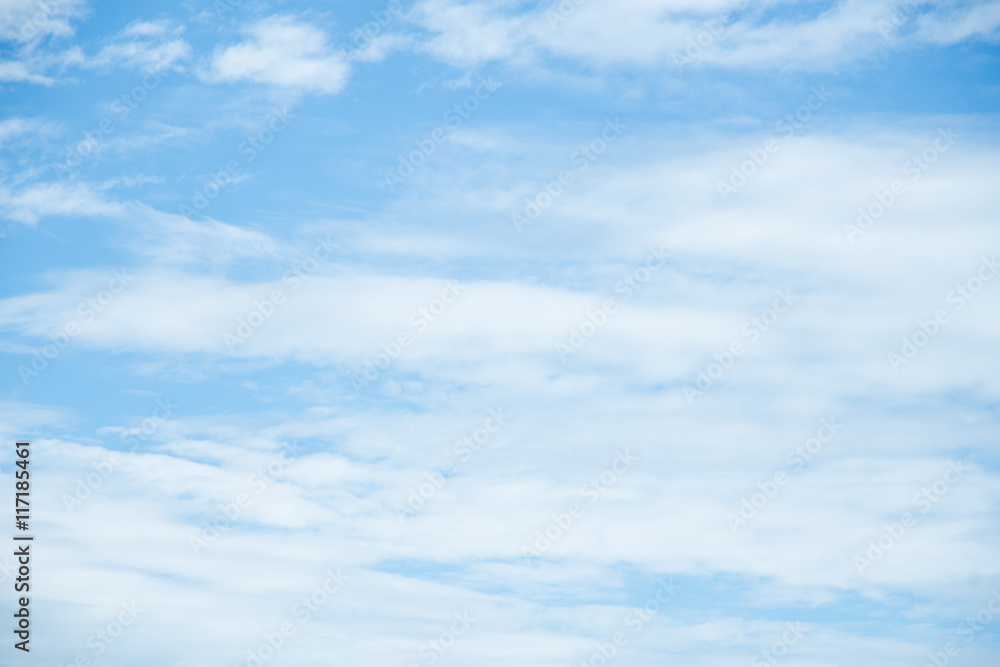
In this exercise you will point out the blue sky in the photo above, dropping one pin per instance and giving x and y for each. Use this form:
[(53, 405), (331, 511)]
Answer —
[(512, 311)]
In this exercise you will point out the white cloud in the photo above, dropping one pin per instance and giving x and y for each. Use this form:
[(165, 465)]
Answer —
[(142, 45), (284, 52), (28, 24), (21, 71), (975, 21), (147, 45), (129, 181), (662, 33), (18, 419), (15, 127), (28, 21), (379, 47), (760, 232), (163, 238), (149, 29), (335, 505), (30, 204), (168, 238), (334, 509)]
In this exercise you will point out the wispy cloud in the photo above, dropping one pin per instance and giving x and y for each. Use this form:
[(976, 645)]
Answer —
[(731, 34), (143, 45), (483, 429), (30, 21)]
